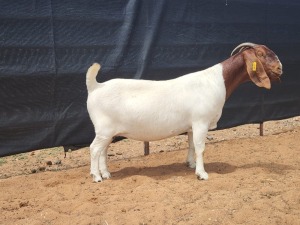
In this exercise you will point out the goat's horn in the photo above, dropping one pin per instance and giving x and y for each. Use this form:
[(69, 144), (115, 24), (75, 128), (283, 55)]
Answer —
[(242, 46)]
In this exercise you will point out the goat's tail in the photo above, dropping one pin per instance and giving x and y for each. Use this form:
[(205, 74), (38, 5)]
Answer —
[(91, 75)]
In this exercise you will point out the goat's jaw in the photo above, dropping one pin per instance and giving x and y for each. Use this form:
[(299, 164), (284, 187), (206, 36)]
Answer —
[(275, 76)]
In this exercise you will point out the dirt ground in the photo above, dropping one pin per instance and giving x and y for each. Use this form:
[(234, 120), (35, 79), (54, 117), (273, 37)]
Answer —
[(252, 180)]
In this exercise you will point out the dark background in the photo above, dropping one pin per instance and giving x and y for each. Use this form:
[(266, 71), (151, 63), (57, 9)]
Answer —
[(46, 47)]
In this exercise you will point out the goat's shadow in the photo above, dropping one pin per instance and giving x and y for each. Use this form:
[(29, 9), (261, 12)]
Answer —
[(164, 172)]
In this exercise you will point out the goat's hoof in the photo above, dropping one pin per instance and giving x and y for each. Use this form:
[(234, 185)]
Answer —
[(191, 165), (96, 178), (106, 175), (202, 176)]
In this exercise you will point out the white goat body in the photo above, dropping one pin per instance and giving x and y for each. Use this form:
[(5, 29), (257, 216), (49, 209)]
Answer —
[(152, 110), (146, 110)]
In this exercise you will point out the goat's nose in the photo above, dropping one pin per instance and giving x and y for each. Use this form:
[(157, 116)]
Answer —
[(279, 68)]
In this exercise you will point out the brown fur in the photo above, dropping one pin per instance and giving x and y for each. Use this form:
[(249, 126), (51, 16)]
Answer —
[(239, 68)]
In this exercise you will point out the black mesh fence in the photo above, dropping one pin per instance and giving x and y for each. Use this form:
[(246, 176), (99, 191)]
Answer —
[(46, 47)]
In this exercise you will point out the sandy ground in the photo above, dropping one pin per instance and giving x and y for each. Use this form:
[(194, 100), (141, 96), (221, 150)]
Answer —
[(252, 180)]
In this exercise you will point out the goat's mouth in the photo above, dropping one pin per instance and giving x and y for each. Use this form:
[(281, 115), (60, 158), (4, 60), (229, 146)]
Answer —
[(275, 76)]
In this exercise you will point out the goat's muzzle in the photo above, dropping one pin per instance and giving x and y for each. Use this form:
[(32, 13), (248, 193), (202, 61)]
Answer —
[(276, 73)]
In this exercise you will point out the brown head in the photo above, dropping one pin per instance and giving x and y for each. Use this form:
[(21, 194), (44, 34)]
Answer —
[(262, 64)]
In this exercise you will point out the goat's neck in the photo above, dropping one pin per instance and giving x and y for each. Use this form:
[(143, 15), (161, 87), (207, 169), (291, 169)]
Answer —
[(234, 73)]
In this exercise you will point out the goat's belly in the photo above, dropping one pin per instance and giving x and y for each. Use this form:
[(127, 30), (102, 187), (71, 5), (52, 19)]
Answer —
[(153, 132)]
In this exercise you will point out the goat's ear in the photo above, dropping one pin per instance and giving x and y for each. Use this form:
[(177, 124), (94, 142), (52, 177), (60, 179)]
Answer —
[(256, 70)]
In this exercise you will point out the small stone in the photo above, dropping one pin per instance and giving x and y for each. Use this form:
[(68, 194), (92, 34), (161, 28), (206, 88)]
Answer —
[(42, 168), (119, 153), (49, 163), (111, 154), (33, 170), (23, 204), (57, 162), (209, 137)]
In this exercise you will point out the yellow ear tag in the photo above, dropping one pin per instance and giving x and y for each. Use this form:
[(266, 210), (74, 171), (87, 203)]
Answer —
[(254, 66)]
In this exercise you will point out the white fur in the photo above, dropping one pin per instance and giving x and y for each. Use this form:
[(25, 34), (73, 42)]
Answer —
[(152, 110)]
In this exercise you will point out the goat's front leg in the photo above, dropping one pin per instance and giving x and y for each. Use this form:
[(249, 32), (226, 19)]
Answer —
[(190, 161), (199, 134)]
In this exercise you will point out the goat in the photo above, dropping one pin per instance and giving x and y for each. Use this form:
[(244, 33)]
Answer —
[(147, 110)]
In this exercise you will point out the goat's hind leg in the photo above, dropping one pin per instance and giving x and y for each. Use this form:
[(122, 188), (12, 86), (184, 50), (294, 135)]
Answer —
[(98, 150), (103, 163), (190, 161)]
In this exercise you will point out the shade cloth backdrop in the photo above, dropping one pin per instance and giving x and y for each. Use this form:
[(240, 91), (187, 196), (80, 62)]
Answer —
[(46, 47)]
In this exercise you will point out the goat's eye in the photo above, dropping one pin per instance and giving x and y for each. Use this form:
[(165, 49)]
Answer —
[(260, 54)]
